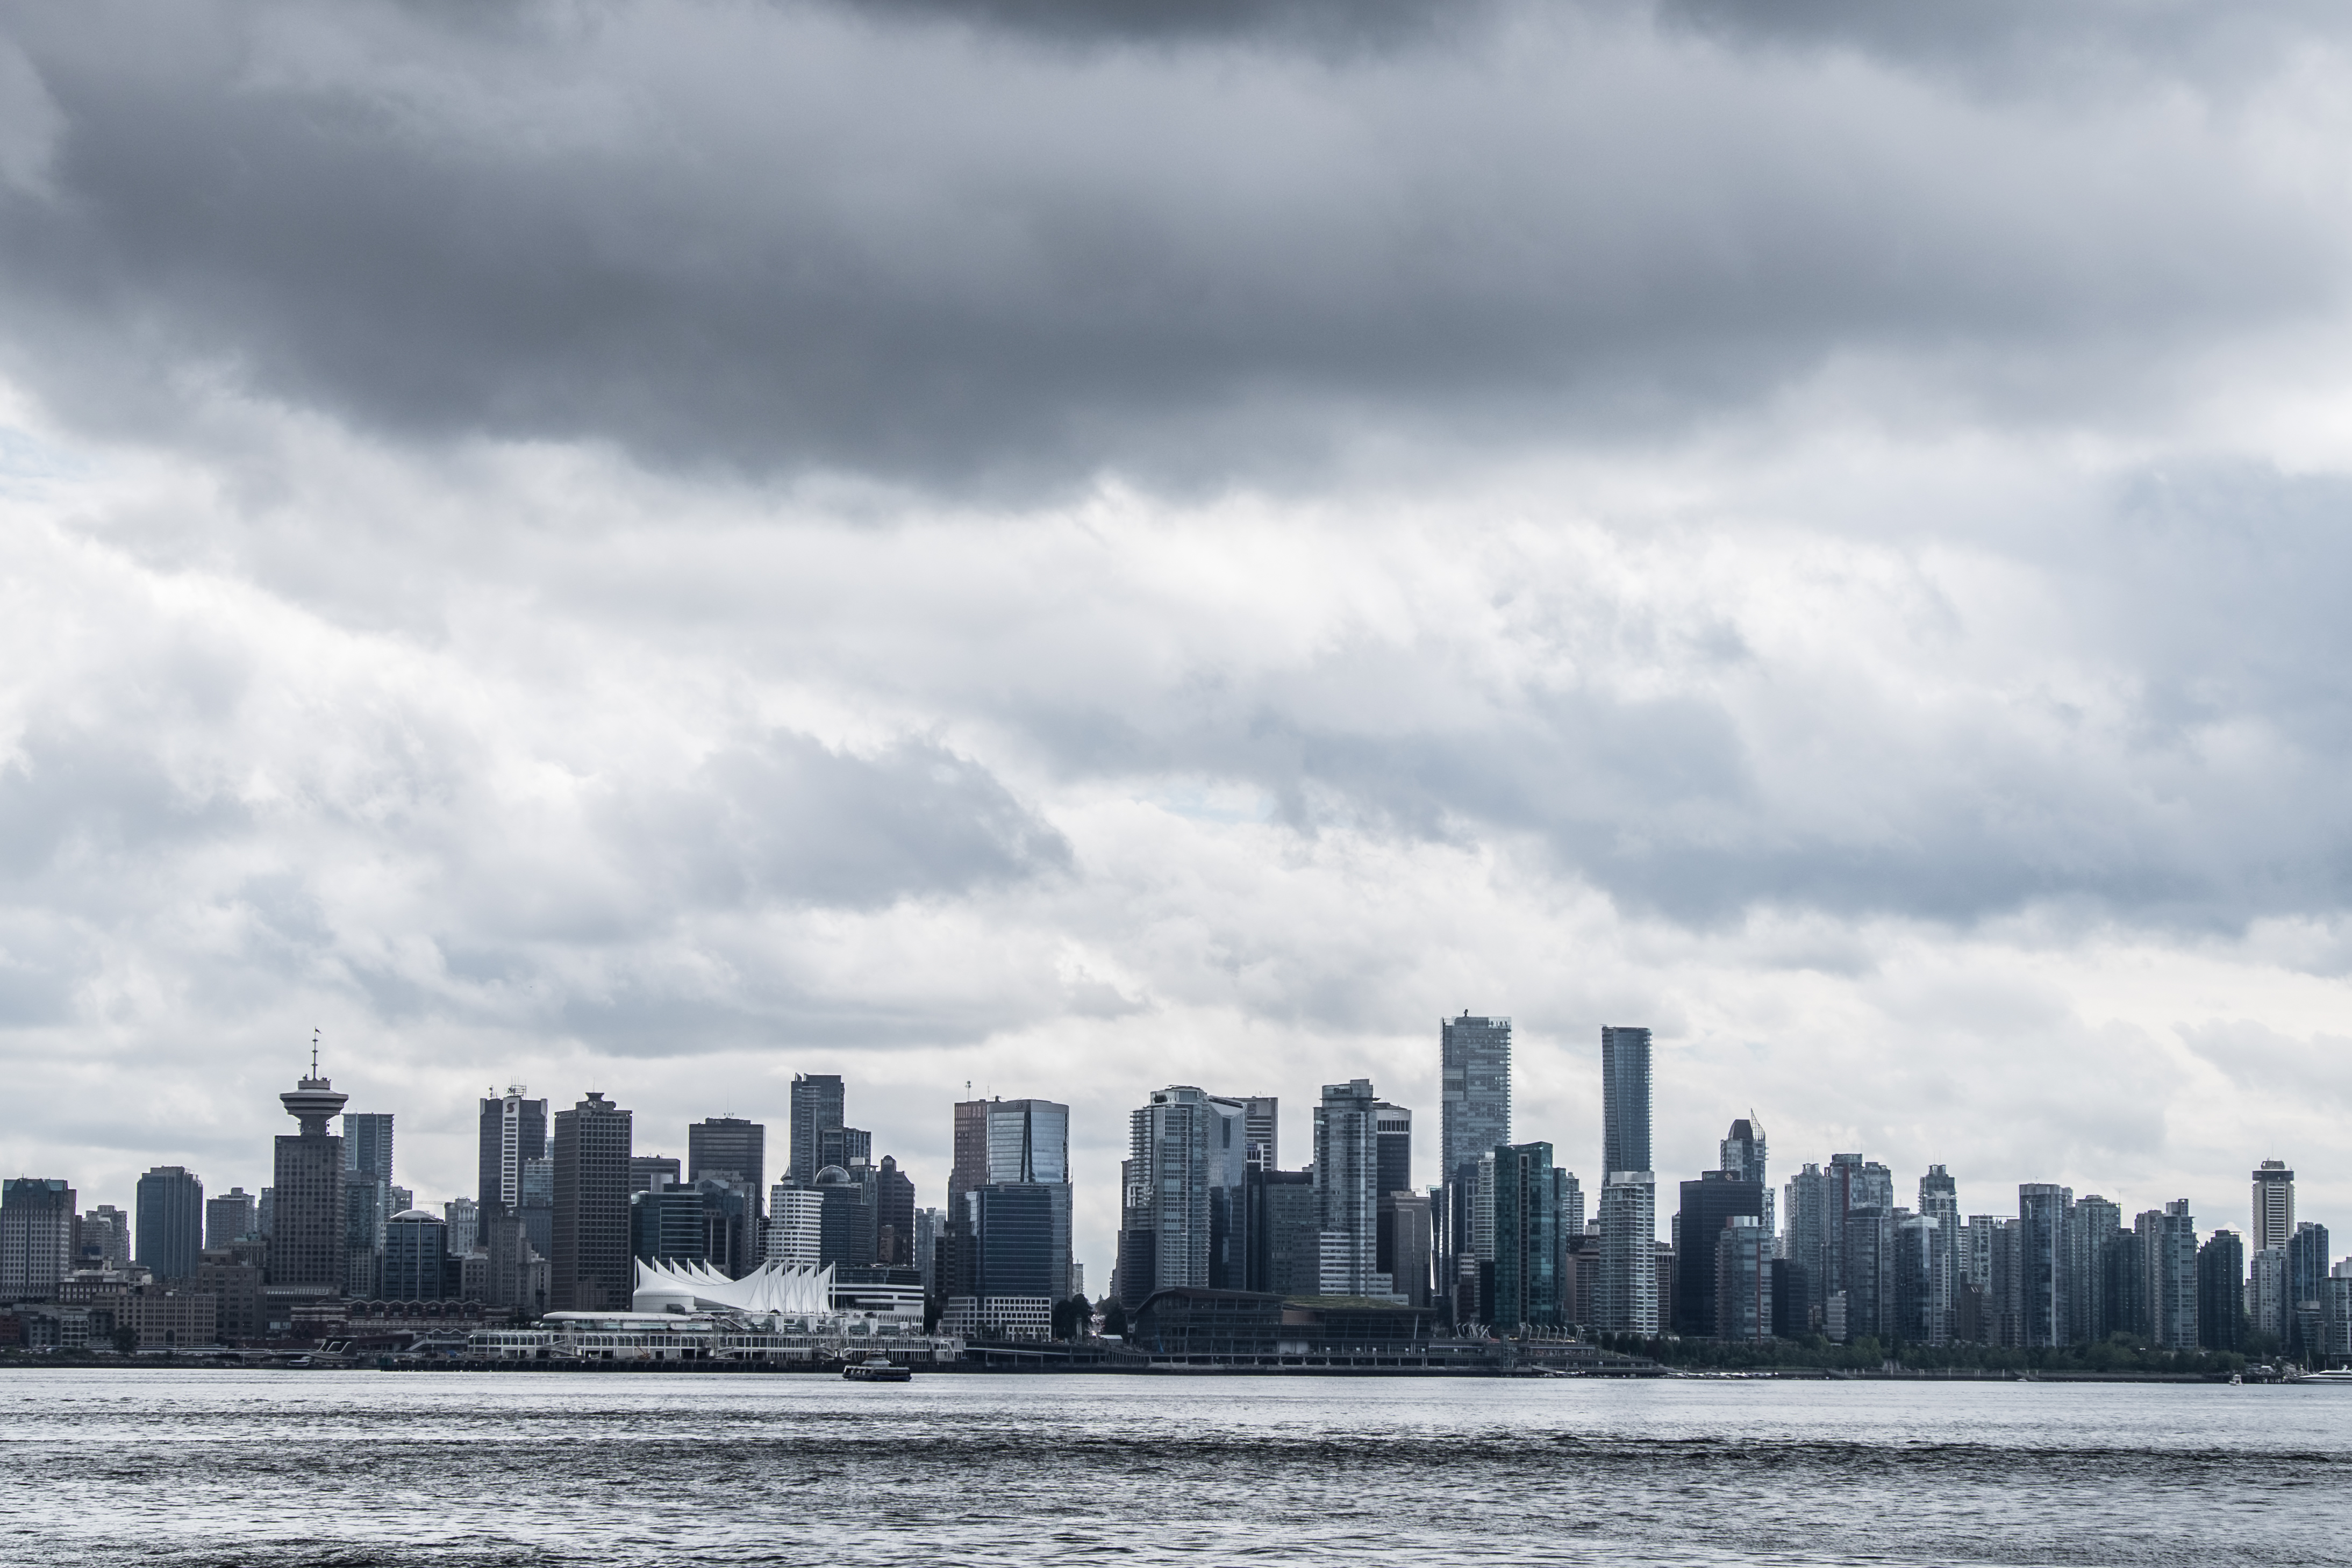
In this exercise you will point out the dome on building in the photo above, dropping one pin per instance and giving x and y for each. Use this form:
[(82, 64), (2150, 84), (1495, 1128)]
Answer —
[(415, 1213), (832, 1176)]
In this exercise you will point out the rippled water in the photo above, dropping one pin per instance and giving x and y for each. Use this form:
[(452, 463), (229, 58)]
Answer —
[(220, 1468)]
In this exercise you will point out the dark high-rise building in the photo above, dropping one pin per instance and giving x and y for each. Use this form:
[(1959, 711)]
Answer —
[(513, 1133), (1019, 1252), (1395, 1164), (1708, 1204), (894, 1218), (730, 1146), (36, 1236), (1474, 1092), (1527, 1293), (819, 1103), (170, 1227), (1395, 1134), (845, 1227), (1869, 1255), (1408, 1231), (308, 1224), (2222, 1292), (589, 1266), (1625, 1099), (2307, 1283), (415, 1257), (666, 1226), (229, 1217), (1285, 1232)]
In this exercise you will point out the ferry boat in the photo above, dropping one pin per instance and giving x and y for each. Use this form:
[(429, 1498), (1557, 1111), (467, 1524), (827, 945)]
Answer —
[(877, 1369)]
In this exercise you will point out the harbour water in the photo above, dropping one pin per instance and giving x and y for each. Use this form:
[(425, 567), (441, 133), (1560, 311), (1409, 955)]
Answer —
[(283, 1468)]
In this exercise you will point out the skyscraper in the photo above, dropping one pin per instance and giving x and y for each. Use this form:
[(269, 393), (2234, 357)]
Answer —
[(1183, 1217), (1395, 1178), (1742, 1155), (170, 1224), (367, 1199), (729, 1145), (106, 1236), (2091, 1230), (1708, 1204), (36, 1236), (1743, 1280), (513, 1132), (1347, 1189), (2306, 1275), (1261, 1128), (1625, 1282), (2169, 1254), (2222, 1292), (894, 1218), (1939, 1200), (229, 1217), (1473, 1091), (970, 1166), (1526, 1292), (461, 1219), (1027, 1143), (367, 1143), (589, 1259), (1625, 1099), (795, 1230), (2044, 1315), (308, 1253), (819, 1106), (415, 1257), (1806, 1246), (2273, 1208)]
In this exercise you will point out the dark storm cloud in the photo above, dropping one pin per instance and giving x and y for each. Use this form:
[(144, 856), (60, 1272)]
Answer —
[(799, 238)]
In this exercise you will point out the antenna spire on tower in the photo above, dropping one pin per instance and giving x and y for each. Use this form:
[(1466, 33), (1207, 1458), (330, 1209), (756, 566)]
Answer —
[(314, 1053)]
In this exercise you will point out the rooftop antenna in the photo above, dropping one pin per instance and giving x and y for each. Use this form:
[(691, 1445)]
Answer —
[(314, 1053)]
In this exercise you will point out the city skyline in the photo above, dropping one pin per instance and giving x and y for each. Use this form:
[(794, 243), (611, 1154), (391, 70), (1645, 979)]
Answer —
[(1098, 1258)]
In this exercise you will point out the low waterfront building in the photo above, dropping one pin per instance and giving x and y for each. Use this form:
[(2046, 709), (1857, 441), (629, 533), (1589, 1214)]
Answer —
[(1244, 1327)]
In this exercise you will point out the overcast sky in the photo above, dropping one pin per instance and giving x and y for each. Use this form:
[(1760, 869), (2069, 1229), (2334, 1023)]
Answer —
[(1078, 545)]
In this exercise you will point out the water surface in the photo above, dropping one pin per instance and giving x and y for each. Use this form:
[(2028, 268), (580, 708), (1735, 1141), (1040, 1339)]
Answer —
[(284, 1468)]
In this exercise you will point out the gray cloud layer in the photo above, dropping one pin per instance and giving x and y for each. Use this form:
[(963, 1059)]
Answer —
[(798, 238)]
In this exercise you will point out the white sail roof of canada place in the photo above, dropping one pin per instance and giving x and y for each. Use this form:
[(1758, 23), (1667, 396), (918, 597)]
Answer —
[(792, 1291)]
